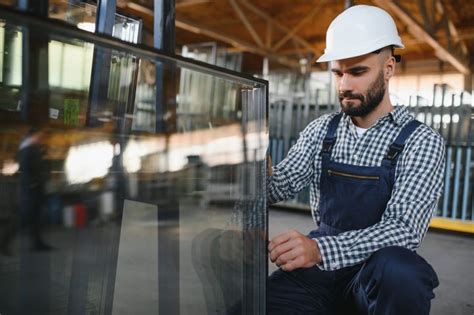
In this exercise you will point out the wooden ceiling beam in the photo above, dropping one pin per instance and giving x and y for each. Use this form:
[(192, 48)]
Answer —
[(246, 22), (269, 35), (191, 26), (419, 32), (298, 48), (295, 29), (295, 50), (453, 30), (279, 25), (187, 3), (238, 44)]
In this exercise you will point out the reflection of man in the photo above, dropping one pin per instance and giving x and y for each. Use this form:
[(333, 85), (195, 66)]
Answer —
[(375, 176), (8, 207), (33, 179)]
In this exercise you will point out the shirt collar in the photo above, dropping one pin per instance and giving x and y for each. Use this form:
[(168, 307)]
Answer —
[(398, 115)]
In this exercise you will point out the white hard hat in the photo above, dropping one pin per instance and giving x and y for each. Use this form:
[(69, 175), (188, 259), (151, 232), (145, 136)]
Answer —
[(360, 30)]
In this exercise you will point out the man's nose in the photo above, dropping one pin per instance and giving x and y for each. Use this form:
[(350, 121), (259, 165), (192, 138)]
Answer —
[(344, 84)]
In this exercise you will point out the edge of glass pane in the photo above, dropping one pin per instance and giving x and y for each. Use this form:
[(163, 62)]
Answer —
[(57, 27)]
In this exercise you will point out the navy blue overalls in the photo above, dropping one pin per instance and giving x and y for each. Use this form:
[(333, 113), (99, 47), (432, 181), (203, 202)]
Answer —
[(394, 280)]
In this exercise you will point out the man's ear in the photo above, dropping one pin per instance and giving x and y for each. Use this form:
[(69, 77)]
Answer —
[(389, 67)]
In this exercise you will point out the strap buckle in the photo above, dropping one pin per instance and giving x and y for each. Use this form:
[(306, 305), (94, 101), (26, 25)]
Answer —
[(394, 150), (327, 145)]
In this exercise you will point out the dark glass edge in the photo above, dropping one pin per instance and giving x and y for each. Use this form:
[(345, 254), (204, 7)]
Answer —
[(58, 27)]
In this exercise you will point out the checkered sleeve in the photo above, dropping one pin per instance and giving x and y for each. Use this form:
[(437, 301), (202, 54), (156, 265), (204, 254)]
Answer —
[(296, 171), (418, 186)]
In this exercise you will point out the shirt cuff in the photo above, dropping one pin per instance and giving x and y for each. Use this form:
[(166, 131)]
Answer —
[(331, 256)]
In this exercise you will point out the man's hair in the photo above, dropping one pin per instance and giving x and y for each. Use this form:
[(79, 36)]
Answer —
[(398, 58)]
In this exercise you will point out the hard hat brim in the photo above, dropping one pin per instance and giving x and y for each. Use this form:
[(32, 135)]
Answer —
[(334, 55)]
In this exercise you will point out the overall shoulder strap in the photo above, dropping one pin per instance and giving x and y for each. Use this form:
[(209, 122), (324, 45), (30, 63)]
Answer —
[(330, 137), (397, 146)]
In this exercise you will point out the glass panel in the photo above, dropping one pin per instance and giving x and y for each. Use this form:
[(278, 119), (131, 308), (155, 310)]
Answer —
[(123, 190), (83, 15)]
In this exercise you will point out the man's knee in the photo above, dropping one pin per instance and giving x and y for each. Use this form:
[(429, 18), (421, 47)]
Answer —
[(400, 270), (303, 291)]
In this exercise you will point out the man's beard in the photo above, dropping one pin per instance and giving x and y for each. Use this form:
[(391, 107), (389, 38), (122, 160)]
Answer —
[(375, 94)]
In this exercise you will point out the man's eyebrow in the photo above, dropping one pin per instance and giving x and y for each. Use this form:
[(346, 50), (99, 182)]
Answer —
[(351, 70), (358, 69)]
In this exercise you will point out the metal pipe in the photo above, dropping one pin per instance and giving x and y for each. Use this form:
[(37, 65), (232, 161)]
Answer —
[(307, 94), (443, 94), (450, 127), (25, 74), (280, 130), (467, 172), (164, 40), (469, 145), (165, 103), (101, 60), (105, 17), (265, 70), (417, 106), (447, 181), (457, 171), (316, 106), (34, 73), (36, 7), (164, 25)]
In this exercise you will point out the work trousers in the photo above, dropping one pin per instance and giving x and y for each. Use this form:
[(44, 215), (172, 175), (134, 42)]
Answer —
[(394, 280)]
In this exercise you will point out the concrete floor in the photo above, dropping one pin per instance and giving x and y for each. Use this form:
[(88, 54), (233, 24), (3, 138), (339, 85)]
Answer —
[(70, 279), (451, 255)]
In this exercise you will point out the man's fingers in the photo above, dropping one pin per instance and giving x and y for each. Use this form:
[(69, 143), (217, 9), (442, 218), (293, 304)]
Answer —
[(296, 252), (277, 240), (299, 252), (282, 238), (281, 249), (291, 265), (288, 256)]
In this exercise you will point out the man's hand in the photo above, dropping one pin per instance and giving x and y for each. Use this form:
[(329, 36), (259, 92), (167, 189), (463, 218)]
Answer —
[(292, 250)]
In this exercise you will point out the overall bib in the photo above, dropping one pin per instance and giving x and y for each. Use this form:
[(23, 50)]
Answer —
[(353, 198)]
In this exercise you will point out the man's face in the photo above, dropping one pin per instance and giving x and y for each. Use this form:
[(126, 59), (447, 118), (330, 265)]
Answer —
[(360, 83)]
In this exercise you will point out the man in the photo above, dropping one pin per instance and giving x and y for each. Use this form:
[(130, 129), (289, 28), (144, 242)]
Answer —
[(375, 176), (33, 178)]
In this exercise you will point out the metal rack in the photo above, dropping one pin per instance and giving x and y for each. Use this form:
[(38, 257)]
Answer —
[(451, 114)]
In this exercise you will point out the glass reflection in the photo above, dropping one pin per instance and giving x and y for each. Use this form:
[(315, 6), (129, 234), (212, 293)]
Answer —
[(123, 191), (33, 178)]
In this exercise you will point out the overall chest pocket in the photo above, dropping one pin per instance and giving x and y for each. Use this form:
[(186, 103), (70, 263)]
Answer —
[(351, 176), (352, 200)]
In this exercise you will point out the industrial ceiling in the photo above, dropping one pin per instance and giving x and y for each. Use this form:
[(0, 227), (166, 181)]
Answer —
[(438, 32)]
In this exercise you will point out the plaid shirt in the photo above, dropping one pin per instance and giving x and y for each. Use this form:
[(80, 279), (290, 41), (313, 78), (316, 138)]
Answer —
[(418, 183)]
